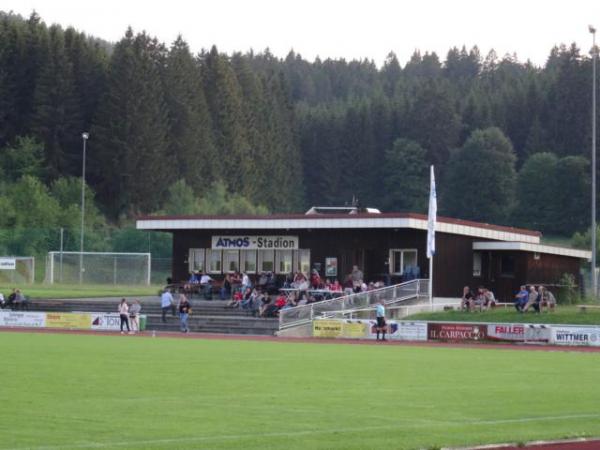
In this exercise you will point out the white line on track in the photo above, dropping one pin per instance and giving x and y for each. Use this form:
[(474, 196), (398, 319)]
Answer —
[(233, 437)]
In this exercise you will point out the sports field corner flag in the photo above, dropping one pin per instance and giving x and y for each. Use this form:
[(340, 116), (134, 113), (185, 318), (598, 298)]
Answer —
[(431, 219)]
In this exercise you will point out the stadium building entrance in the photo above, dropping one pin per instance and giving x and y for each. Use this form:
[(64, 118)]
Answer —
[(387, 247)]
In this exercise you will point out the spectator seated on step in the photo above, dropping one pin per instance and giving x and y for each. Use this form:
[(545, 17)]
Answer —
[(479, 299), (206, 285), (236, 300), (532, 300), (246, 301), (271, 311), (265, 302)]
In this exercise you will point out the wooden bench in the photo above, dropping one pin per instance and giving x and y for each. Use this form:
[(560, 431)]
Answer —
[(584, 308)]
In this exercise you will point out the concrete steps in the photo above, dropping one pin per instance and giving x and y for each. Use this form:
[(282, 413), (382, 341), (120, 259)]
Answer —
[(208, 316)]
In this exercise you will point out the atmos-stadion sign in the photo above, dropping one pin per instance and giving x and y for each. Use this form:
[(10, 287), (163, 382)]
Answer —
[(255, 242)]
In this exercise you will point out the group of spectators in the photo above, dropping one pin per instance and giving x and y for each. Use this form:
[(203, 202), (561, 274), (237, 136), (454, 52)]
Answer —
[(16, 300), (526, 299), (534, 298), (481, 300)]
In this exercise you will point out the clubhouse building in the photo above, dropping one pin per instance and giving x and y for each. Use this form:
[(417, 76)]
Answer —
[(385, 246)]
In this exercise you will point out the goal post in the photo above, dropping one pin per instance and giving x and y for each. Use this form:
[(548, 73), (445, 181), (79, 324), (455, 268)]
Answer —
[(98, 268)]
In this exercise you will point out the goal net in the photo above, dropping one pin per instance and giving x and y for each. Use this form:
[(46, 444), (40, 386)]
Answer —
[(17, 269), (98, 268)]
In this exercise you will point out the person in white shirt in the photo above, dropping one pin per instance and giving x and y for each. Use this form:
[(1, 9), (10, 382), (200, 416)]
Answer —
[(124, 315), (134, 315), (166, 303)]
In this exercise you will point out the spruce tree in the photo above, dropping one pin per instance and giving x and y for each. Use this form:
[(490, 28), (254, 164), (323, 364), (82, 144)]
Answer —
[(128, 147), (190, 137)]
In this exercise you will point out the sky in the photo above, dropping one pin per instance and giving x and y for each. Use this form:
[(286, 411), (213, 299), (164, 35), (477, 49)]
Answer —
[(350, 29)]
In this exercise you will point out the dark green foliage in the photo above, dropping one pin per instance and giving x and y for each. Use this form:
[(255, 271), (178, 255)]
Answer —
[(289, 133), (406, 177), (129, 144), (25, 156), (480, 179), (536, 189), (190, 139)]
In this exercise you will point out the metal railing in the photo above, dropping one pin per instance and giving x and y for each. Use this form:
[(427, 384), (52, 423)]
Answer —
[(299, 315)]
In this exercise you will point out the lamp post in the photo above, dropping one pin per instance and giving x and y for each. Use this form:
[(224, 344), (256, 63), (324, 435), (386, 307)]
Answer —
[(594, 58), (85, 136)]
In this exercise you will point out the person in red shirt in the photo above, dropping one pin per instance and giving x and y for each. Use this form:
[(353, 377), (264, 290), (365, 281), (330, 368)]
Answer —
[(281, 301)]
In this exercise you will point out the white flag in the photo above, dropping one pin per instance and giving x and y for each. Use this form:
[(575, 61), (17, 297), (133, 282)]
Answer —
[(431, 219)]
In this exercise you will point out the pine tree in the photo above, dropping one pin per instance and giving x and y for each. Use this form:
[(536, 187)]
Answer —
[(128, 145), (480, 179), (57, 119), (405, 177), (224, 97), (190, 138)]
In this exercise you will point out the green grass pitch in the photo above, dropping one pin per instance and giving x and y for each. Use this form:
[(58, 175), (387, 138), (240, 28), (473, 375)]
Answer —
[(83, 391)]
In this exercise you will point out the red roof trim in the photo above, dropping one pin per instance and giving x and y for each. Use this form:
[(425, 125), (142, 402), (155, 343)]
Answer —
[(449, 220)]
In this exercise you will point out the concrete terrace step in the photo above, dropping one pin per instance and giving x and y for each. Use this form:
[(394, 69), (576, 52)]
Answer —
[(209, 316)]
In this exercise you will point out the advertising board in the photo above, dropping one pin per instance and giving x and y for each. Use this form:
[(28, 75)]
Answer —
[(518, 332), (327, 328), (109, 321), (411, 331), (456, 332), (355, 329), (8, 263), (506, 332), (572, 335), (68, 320), (22, 319)]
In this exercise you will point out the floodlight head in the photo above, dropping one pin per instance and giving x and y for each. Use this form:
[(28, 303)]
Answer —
[(85, 135), (592, 29)]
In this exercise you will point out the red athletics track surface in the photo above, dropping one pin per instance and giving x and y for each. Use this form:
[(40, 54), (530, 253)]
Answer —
[(563, 445), (245, 337)]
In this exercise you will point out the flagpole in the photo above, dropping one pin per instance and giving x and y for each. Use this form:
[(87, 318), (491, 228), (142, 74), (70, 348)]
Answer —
[(431, 282), (431, 220)]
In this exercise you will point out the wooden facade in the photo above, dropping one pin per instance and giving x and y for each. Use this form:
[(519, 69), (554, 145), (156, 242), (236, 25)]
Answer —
[(369, 248)]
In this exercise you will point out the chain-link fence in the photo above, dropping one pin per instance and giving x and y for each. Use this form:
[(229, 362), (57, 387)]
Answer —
[(98, 268)]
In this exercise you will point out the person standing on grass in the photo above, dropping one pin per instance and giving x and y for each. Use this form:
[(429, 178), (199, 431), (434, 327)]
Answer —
[(381, 325), (166, 304), (124, 315), (134, 315), (184, 312)]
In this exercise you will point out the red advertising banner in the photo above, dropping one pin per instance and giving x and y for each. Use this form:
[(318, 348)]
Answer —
[(456, 332)]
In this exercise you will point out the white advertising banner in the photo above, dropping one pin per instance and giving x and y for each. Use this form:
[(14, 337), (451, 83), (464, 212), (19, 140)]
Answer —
[(401, 330), (518, 332), (243, 242), (22, 319), (8, 264), (506, 332), (106, 321), (572, 335), (411, 331)]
